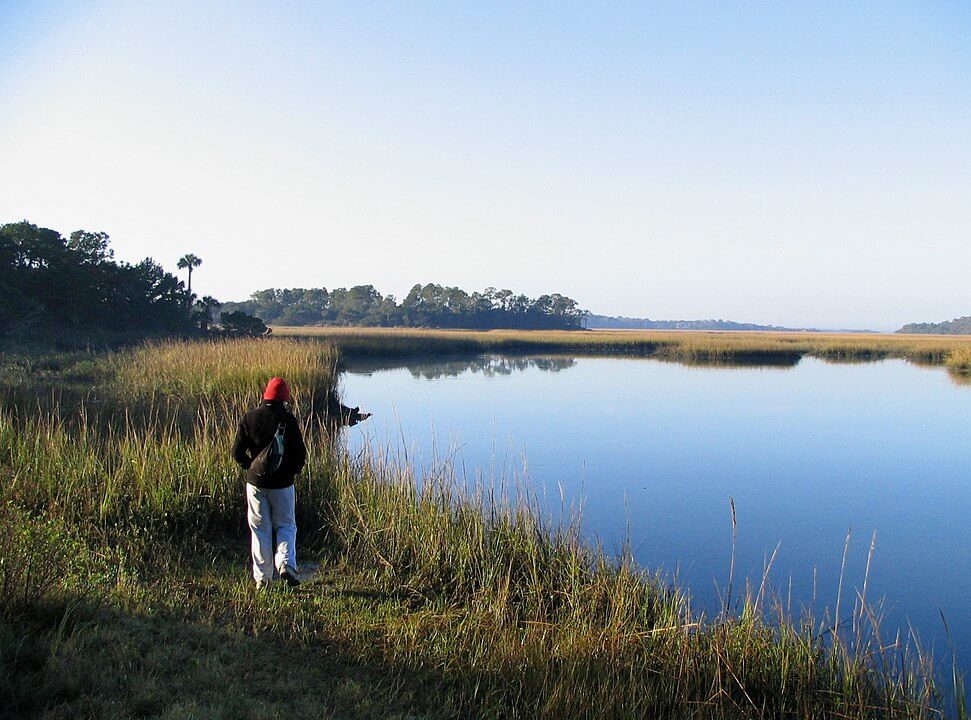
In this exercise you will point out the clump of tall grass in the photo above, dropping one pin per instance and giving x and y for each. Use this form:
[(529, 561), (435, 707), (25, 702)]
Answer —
[(959, 361), (228, 369)]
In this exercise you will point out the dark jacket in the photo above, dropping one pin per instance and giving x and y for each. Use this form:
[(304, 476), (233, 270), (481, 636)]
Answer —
[(255, 433)]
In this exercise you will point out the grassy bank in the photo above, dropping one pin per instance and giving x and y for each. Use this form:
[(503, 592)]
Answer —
[(688, 347), (125, 592), (959, 361)]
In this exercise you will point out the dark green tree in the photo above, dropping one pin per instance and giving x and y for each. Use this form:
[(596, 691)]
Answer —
[(239, 324), (49, 284)]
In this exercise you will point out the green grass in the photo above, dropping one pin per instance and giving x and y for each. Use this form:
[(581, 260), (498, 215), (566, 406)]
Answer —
[(434, 600)]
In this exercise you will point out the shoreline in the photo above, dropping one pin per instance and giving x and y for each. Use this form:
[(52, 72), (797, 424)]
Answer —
[(685, 346)]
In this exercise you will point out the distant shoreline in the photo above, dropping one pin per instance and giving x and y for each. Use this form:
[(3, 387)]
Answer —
[(620, 322), (712, 347)]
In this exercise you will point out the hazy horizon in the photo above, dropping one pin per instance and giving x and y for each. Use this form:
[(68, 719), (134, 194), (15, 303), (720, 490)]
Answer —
[(783, 165)]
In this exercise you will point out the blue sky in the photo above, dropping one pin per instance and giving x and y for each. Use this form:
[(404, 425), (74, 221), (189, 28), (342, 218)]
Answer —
[(806, 164)]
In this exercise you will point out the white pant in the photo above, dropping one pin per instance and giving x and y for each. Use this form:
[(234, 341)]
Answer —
[(271, 511)]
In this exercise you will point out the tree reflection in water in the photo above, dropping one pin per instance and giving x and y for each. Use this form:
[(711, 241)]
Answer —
[(439, 367)]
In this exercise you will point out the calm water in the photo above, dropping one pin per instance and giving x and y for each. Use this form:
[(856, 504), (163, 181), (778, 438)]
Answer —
[(657, 449)]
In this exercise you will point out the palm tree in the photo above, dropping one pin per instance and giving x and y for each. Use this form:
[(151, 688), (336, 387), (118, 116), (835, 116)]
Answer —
[(189, 262)]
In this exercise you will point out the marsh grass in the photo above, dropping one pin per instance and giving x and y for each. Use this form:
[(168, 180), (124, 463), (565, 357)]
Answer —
[(233, 371), (558, 629), (690, 347), (959, 361), (462, 600), (959, 366)]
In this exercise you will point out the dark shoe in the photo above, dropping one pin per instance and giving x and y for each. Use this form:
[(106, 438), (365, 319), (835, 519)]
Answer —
[(290, 575)]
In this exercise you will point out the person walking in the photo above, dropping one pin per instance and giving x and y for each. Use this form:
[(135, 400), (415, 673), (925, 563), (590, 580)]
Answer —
[(270, 447)]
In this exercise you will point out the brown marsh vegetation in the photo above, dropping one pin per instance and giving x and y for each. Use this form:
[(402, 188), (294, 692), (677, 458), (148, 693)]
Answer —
[(684, 346)]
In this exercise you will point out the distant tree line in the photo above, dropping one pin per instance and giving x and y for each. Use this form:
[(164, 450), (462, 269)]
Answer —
[(957, 326), (428, 305), (50, 284), (628, 323)]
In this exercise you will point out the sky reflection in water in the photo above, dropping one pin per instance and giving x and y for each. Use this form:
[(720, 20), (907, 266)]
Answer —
[(807, 452)]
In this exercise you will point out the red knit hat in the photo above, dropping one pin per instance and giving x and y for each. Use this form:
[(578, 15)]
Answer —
[(277, 389)]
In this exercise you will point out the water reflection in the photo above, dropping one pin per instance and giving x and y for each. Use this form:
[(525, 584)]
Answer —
[(427, 368), (960, 378), (776, 361), (437, 367)]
